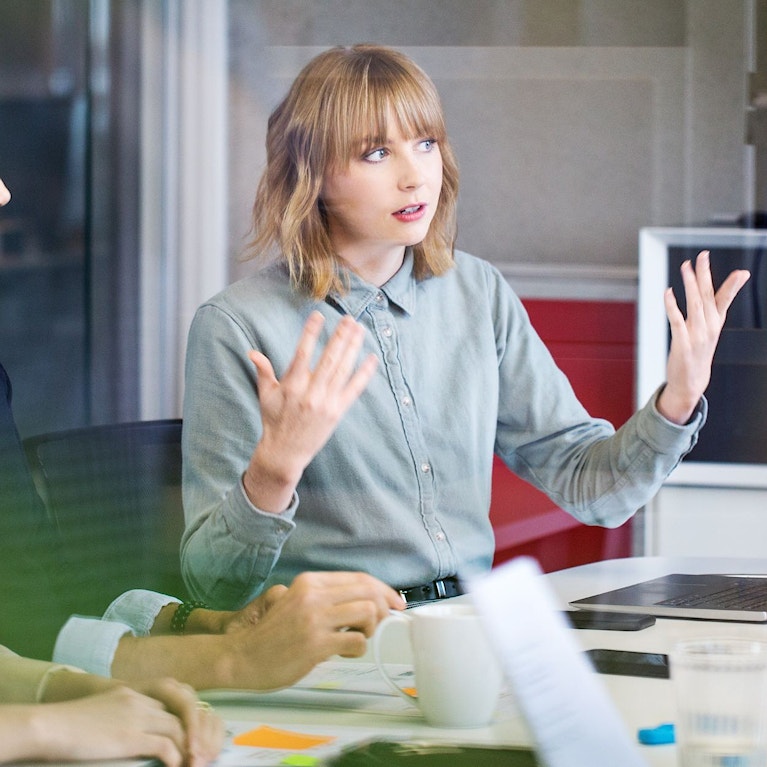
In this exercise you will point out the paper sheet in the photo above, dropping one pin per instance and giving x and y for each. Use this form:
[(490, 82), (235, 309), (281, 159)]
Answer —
[(346, 686), (567, 708), (340, 685), (335, 685)]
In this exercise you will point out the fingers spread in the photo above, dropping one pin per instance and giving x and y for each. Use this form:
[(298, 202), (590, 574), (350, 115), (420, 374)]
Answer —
[(675, 316), (306, 344), (264, 370), (694, 338), (729, 289), (340, 354)]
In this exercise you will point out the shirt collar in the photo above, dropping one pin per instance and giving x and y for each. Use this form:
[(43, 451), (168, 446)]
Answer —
[(400, 289)]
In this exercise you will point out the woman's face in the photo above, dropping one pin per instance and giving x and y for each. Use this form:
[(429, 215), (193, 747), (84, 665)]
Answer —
[(5, 195), (385, 199)]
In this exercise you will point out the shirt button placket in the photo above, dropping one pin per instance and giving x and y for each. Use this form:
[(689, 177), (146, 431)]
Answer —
[(387, 337)]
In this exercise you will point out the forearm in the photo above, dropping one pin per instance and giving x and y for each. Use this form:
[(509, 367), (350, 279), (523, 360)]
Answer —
[(68, 685), (203, 661), (677, 407), (268, 481), (22, 732), (604, 479), (636, 461), (247, 542)]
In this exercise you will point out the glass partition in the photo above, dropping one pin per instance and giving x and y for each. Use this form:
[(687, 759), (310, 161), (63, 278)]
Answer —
[(67, 265)]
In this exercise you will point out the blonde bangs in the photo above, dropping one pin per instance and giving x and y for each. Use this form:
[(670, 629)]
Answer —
[(362, 97), (338, 108)]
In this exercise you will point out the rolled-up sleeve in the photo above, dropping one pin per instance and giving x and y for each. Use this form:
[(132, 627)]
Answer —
[(229, 546), (138, 609), (90, 643), (545, 435)]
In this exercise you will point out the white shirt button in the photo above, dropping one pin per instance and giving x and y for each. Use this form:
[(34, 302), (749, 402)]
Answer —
[(379, 297), (425, 468), (440, 536), (387, 331), (406, 401)]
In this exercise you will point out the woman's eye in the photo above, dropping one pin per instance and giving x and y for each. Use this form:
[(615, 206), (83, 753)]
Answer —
[(428, 144), (376, 155)]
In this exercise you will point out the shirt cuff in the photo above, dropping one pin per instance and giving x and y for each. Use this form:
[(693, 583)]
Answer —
[(89, 644), (696, 420), (138, 609), (288, 513)]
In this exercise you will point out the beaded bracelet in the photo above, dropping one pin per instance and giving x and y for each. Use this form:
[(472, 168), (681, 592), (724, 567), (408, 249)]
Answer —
[(183, 611)]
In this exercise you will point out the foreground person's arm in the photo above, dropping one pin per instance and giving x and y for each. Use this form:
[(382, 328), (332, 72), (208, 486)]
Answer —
[(83, 716), (273, 642)]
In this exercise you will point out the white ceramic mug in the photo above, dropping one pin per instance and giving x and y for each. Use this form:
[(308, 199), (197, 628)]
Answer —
[(458, 678)]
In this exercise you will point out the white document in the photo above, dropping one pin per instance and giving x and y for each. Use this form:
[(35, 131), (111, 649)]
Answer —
[(568, 710), (346, 686)]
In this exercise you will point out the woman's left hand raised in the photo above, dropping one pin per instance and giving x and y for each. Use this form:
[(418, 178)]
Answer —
[(694, 338)]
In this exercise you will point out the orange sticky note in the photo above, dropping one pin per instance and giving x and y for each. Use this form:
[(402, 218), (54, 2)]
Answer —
[(271, 737), (411, 691)]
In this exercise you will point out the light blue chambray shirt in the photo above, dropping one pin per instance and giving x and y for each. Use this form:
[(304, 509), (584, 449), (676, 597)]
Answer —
[(402, 488)]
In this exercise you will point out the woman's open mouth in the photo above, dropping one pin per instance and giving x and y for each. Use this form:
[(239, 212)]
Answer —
[(411, 213)]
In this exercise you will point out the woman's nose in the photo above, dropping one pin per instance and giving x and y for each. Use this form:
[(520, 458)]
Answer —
[(411, 174)]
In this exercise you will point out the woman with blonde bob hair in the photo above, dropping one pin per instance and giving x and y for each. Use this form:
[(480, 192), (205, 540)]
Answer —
[(339, 104), (343, 404)]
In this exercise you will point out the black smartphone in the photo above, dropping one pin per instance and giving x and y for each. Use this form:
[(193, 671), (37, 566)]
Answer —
[(433, 754), (607, 620), (630, 663)]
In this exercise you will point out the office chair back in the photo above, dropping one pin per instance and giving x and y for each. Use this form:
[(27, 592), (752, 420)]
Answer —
[(114, 494)]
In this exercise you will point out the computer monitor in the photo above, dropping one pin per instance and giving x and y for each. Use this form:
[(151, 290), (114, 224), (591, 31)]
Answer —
[(733, 443)]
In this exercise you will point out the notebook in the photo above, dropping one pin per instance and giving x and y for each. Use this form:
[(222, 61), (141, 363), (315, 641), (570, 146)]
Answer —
[(715, 597)]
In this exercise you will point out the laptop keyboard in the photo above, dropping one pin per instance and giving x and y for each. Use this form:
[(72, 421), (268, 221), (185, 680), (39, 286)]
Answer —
[(743, 596)]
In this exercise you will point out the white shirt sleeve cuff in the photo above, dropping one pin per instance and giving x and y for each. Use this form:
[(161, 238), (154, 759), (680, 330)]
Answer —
[(138, 609), (89, 644)]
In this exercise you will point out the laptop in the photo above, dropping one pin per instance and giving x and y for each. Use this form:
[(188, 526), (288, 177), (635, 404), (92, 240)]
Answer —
[(714, 597)]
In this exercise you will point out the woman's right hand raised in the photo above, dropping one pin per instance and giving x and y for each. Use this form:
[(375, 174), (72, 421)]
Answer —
[(300, 412)]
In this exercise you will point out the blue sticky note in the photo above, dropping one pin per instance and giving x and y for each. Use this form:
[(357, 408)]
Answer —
[(655, 736)]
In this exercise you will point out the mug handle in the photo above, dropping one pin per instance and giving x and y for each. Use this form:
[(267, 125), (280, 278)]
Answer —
[(377, 641)]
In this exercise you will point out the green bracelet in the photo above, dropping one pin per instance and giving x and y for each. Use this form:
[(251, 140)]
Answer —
[(181, 616)]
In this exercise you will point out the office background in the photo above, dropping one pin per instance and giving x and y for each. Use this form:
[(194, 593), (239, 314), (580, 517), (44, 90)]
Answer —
[(133, 140)]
